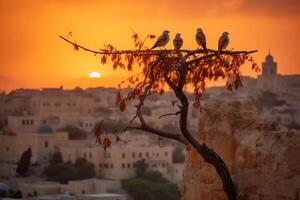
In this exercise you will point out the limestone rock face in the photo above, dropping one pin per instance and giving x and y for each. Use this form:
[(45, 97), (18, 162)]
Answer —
[(264, 163)]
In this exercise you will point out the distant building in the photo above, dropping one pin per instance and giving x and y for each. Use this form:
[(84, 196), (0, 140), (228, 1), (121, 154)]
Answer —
[(118, 161), (43, 144), (271, 81), (81, 189)]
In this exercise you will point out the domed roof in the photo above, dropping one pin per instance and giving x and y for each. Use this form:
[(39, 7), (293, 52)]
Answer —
[(45, 129), (3, 187), (269, 59)]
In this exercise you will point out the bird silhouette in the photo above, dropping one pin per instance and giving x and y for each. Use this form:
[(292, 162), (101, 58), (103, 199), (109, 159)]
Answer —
[(200, 38), (223, 41), (162, 40), (177, 42)]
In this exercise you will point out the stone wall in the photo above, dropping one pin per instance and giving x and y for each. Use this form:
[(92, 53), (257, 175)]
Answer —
[(264, 160)]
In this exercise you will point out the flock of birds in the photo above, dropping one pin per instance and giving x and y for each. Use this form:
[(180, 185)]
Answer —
[(163, 40)]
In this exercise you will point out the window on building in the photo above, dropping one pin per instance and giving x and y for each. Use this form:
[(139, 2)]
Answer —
[(46, 144), (7, 149), (166, 153), (111, 165), (123, 155), (23, 122), (140, 154), (123, 165), (100, 165), (90, 155), (133, 155), (31, 122), (128, 165), (147, 154)]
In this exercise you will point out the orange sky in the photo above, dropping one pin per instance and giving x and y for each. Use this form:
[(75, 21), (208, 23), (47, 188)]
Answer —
[(32, 55)]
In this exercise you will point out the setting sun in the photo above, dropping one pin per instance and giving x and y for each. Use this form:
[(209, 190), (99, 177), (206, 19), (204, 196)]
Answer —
[(95, 75)]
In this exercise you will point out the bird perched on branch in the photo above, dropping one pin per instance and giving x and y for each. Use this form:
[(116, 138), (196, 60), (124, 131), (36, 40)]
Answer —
[(200, 38), (223, 41), (177, 42), (162, 40)]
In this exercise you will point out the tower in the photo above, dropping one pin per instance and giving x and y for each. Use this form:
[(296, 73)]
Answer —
[(269, 67), (268, 80)]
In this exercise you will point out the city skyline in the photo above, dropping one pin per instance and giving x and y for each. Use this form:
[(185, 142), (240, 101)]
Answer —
[(32, 55)]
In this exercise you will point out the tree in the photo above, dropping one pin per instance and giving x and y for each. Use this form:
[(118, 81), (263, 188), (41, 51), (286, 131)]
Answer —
[(24, 163), (74, 132), (56, 158), (154, 176), (152, 186), (174, 69), (64, 172), (140, 167), (178, 156), (18, 195)]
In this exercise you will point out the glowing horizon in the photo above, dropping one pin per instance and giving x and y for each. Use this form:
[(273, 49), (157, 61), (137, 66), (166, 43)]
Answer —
[(32, 55)]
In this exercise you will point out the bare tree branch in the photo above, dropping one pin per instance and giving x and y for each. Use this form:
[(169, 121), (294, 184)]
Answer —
[(145, 127), (169, 114), (177, 69), (155, 52), (208, 154)]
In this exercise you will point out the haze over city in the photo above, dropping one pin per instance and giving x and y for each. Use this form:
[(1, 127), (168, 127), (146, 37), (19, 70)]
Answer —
[(149, 100), (32, 55)]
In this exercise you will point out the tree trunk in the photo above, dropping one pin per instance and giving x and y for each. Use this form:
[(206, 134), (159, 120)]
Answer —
[(213, 158)]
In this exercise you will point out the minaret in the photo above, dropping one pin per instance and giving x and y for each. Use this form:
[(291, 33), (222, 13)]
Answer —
[(269, 67), (269, 79)]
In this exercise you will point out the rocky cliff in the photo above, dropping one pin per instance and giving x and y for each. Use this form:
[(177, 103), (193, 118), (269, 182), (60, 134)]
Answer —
[(264, 160)]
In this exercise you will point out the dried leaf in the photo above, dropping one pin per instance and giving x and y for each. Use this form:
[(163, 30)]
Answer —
[(76, 47), (106, 143), (119, 97), (122, 105)]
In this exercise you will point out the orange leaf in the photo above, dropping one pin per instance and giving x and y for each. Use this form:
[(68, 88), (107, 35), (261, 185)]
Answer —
[(97, 131), (103, 59), (119, 97), (106, 143), (76, 47), (122, 106)]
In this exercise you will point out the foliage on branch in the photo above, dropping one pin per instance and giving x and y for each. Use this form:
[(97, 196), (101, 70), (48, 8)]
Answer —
[(159, 65), (174, 69)]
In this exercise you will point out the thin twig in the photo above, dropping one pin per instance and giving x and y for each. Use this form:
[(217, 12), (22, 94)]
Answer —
[(155, 52), (169, 114)]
